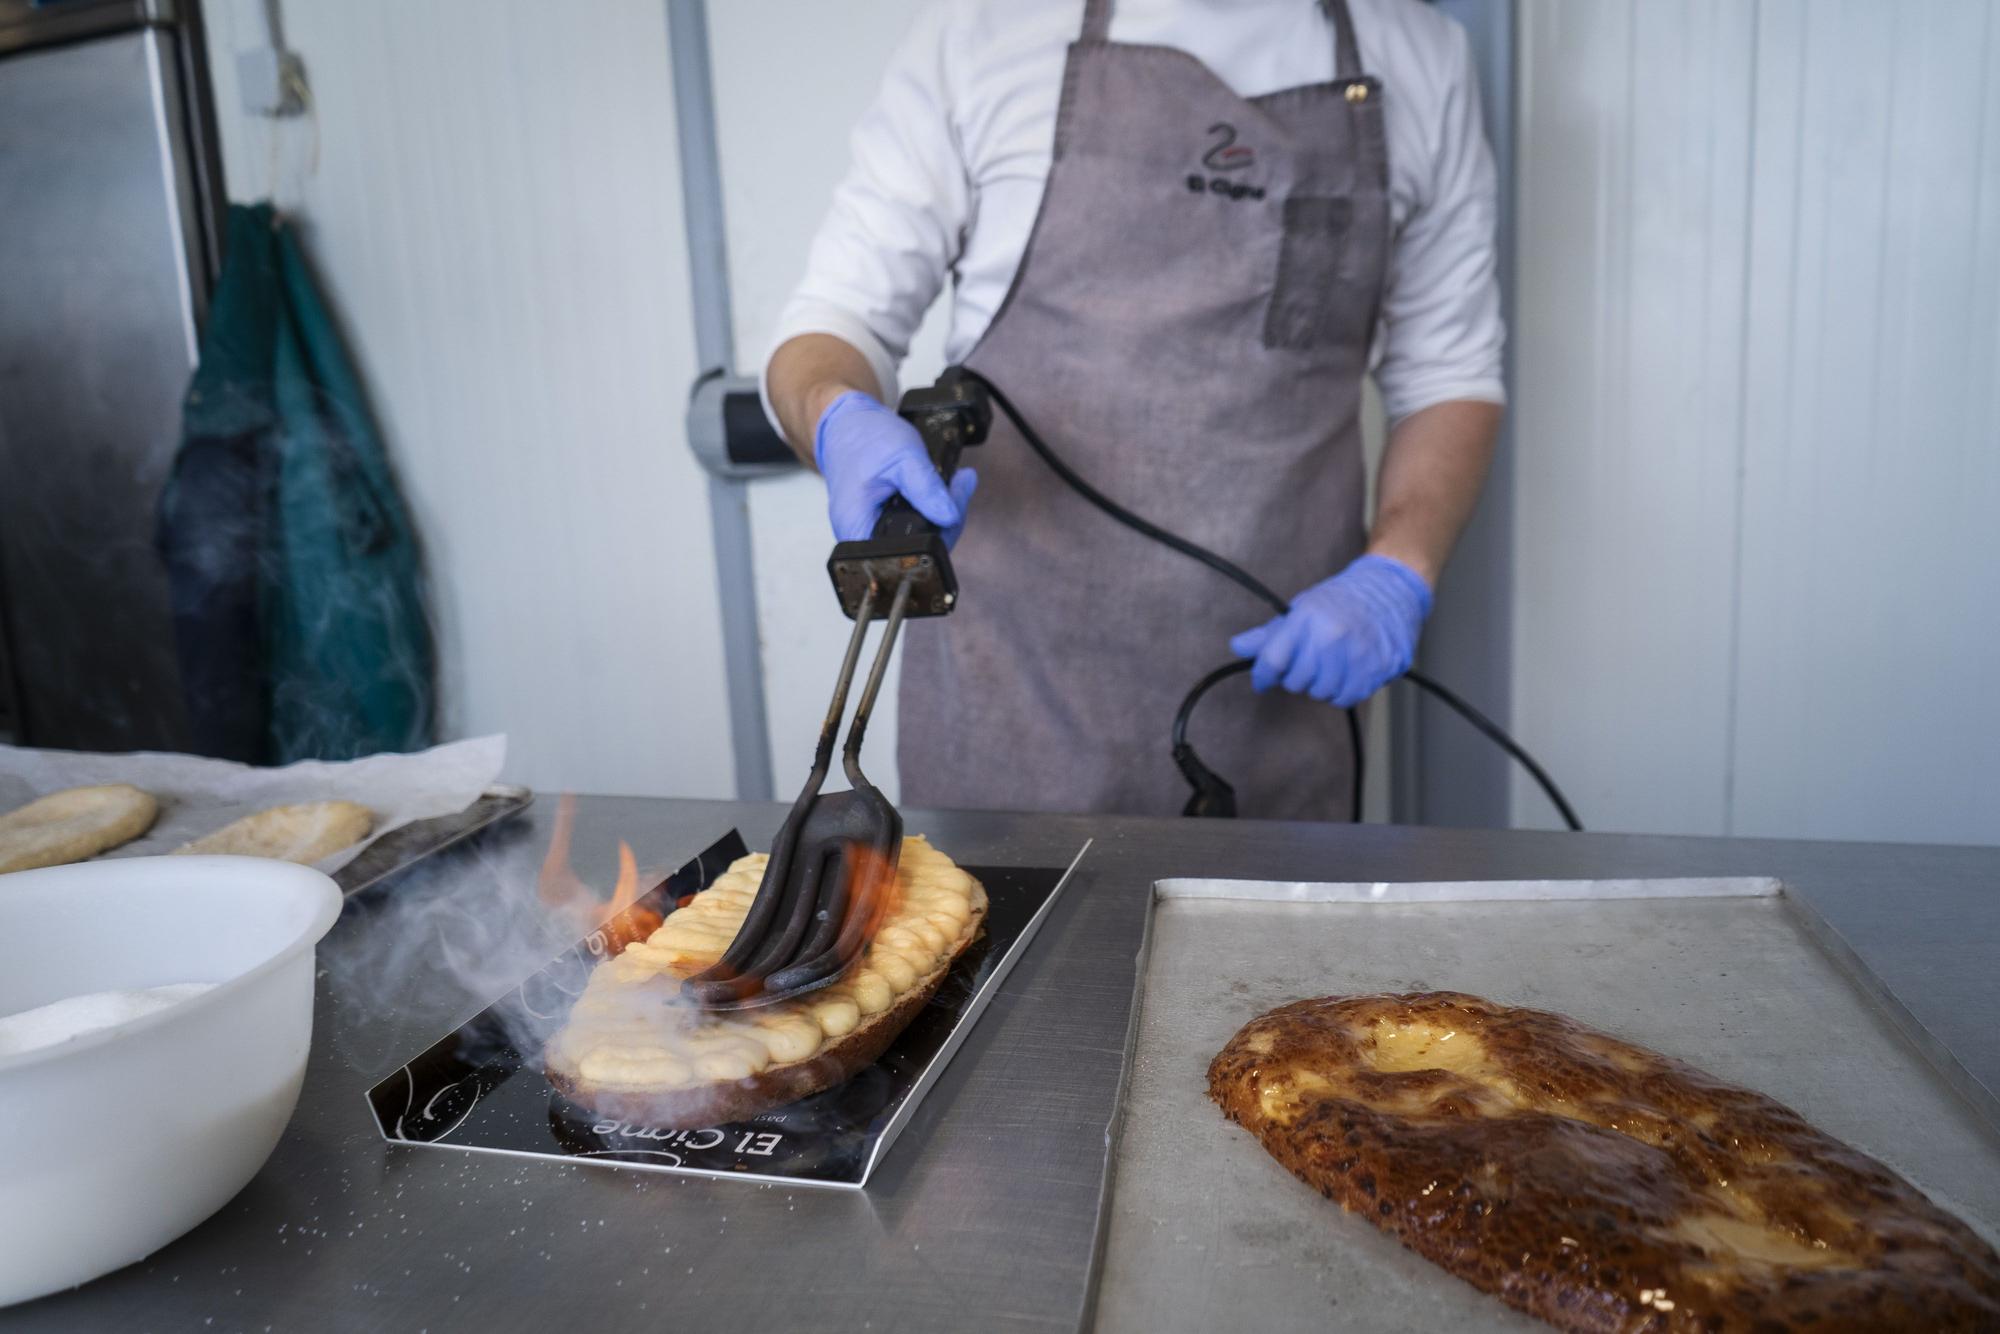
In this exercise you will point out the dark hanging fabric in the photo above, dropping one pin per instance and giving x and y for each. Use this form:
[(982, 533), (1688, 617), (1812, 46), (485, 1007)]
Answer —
[(299, 608)]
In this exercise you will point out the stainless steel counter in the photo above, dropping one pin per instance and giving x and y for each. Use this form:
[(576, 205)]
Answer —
[(987, 1212)]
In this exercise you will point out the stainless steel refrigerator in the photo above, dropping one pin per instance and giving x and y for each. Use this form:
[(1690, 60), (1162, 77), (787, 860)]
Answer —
[(110, 194)]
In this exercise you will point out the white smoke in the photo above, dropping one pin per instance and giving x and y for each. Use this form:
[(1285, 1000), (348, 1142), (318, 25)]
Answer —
[(439, 944)]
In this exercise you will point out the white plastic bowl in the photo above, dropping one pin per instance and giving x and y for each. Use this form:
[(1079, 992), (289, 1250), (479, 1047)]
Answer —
[(114, 1143)]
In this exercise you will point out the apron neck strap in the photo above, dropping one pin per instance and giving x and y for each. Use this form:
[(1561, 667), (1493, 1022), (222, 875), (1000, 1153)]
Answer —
[(1096, 20), (1346, 51)]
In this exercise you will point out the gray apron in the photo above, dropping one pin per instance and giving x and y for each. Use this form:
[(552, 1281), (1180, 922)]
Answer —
[(1189, 327)]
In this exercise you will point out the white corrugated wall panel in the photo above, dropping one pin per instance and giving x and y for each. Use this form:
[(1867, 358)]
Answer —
[(496, 216), (1870, 632), (1759, 398), (1632, 200)]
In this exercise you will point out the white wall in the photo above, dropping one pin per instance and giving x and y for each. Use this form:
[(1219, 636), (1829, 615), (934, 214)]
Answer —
[(495, 213), (1869, 622), (1758, 409)]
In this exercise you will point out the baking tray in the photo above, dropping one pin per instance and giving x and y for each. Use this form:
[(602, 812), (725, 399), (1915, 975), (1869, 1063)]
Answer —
[(401, 848), (1732, 975), (481, 1088)]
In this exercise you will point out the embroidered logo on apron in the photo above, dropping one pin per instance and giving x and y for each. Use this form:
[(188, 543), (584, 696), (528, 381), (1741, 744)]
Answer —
[(1225, 154)]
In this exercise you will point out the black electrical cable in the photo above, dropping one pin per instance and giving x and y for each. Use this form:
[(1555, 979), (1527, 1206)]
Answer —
[(1250, 583), (1117, 511), (1492, 732), (1145, 527), (1360, 763), (1185, 714)]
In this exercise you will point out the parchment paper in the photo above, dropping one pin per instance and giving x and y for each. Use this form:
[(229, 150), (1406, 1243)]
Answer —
[(198, 796)]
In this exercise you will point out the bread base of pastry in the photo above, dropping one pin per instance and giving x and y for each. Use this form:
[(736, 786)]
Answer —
[(719, 1102), (303, 833), (74, 824)]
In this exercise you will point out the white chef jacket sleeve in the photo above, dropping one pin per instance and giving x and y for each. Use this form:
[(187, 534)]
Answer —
[(1442, 334), (898, 217)]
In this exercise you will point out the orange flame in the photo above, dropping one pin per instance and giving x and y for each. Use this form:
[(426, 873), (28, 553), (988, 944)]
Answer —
[(875, 893), (558, 887), (565, 894), (627, 887), (627, 923)]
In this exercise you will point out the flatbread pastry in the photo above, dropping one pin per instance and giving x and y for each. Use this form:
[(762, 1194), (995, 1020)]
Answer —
[(73, 824), (303, 833), (632, 1048), (1591, 1182)]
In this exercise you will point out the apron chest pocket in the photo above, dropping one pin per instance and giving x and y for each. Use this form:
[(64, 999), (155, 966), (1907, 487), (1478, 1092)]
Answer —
[(1318, 297)]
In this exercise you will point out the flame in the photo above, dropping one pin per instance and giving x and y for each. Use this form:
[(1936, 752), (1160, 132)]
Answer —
[(627, 888), (558, 886), (875, 892), (627, 922), (566, 896)]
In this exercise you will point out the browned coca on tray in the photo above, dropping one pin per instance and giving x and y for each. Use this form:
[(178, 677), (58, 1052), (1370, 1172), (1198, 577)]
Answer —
[(1592, 1182)]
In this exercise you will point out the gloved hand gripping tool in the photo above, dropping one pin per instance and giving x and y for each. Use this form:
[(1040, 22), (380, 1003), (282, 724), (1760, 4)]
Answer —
[(832, 872)]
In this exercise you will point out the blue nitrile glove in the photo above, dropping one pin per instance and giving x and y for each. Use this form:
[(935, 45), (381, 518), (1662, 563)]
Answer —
[(1345, 637), (868, 454)]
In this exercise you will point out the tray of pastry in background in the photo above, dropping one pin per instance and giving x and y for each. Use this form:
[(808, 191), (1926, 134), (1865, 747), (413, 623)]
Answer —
[(1737, 977), (358, 820), (412, 843)]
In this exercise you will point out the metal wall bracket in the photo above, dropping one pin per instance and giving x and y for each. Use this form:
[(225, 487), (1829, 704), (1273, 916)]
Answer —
[(729, 433)]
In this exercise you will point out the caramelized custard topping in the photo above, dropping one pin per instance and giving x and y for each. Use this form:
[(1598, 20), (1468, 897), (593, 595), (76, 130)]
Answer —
[(1594, 1183), (632, 1031)]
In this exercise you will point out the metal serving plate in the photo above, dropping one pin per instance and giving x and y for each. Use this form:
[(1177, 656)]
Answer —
[(481, 1087), (1734, 976)]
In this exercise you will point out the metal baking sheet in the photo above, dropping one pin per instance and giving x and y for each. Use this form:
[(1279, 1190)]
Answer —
[(402, 848), (481, 1087), (1726, 974)]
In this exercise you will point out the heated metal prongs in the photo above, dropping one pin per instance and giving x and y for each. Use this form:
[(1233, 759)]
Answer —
[(871, 844), (850, 757), (783, 895)]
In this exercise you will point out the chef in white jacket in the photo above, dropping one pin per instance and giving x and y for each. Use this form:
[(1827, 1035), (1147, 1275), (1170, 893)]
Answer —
[(1178, 234)]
